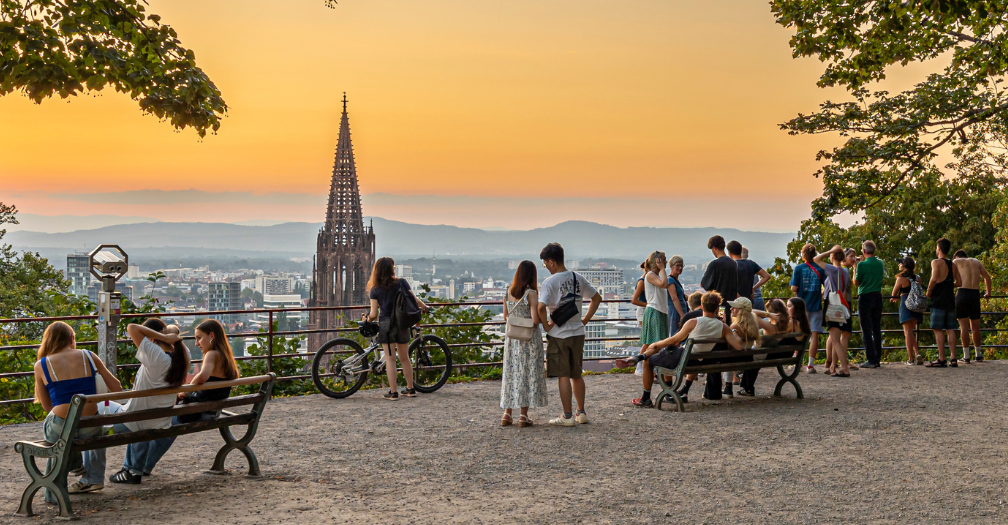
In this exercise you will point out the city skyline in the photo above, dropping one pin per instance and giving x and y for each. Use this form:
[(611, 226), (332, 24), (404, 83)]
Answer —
[(504, 116)]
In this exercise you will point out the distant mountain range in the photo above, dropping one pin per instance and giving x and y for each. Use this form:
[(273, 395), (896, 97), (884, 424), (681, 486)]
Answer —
[(398, 239)]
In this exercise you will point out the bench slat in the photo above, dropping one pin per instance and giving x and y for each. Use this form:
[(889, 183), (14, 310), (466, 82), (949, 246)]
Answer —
[(132, 394), (740, 366), (176, 410), (148, 435)]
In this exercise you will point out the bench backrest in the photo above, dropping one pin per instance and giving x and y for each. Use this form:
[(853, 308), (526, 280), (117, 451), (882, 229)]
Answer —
[(769, 346), (75, 420)]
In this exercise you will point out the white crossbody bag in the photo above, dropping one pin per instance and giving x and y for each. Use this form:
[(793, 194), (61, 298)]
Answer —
[(519, 328)]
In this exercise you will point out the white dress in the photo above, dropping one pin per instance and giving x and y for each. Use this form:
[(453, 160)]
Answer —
[(523, 383)]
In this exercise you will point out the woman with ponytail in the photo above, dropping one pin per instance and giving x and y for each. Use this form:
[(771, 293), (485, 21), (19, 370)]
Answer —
[(164, 363)]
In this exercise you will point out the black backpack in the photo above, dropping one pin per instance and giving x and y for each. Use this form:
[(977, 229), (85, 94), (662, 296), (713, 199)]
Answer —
[(406, 312)]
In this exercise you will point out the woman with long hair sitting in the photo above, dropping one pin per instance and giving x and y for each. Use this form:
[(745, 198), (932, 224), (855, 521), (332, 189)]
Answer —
[(61, 372), (384, 288), (218, 364)]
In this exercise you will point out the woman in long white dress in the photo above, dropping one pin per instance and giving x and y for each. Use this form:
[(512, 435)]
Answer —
[(523, 383)]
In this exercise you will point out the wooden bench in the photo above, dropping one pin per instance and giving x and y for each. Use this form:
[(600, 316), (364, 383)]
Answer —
[(62, 449), (770, 354)]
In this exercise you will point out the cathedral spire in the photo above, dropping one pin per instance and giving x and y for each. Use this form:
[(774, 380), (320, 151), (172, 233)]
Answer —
[(345, 247)]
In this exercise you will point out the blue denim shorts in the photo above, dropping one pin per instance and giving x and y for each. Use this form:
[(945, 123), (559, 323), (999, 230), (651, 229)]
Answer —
[(943, 319)]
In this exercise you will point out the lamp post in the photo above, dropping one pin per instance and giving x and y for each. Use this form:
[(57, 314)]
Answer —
[(108, 263)]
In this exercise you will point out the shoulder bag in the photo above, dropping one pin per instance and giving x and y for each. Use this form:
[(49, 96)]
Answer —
[(916, 300), (568, 306), (519, 328), (837, 310)]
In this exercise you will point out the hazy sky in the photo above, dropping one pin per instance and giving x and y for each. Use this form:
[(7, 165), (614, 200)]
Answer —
[(513, 114)]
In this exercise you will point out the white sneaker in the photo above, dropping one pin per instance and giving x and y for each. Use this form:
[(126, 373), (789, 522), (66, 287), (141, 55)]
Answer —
[(563, 421), (79, 487), (581, 418)]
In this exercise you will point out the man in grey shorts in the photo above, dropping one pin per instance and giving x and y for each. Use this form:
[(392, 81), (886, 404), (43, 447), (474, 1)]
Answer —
[(967, 302), (565, 342)]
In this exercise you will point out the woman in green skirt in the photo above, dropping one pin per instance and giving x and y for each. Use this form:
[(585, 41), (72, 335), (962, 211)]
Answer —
[(654, 327)]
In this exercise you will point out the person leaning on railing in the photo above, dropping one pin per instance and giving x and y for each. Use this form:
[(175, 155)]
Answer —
[(163, 364), (62, 372)]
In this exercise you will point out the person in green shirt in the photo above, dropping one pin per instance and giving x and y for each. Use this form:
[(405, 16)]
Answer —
[(868, 276)]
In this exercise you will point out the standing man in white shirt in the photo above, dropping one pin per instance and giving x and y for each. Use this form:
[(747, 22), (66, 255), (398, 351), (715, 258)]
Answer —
[(562, 293)]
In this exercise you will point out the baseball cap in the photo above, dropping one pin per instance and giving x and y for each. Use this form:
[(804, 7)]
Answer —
[(742, 303)]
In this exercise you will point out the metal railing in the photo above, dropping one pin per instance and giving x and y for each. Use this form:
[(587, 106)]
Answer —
[(270, 333), (272, 314)]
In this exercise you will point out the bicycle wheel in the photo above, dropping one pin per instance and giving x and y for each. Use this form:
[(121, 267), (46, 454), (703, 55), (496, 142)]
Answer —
[(432, 363), (339, 368)]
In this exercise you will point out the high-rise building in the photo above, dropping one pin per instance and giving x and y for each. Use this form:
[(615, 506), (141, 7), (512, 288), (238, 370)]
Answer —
[(78, 272), (273, 285), (405, 271), (224, 296), (345, 249), (605, 280)]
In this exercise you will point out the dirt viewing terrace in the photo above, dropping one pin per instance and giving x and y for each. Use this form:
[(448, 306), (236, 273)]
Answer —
[(902, 444)]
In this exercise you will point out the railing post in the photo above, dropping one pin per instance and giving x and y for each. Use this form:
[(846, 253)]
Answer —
[(269, 344)]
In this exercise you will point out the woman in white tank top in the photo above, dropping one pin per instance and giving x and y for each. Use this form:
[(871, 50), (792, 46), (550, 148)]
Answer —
[(654, 326)]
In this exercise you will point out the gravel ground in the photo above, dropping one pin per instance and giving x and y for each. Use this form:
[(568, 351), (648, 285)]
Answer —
[(896, 445)]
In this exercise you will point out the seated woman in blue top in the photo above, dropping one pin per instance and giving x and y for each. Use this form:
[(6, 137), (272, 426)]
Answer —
[(62, 372)]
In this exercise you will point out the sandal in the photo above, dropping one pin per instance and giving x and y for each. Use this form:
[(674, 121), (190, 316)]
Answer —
[(506, 420), (839, 374), (525, 421), (936, 364), (953, 363)]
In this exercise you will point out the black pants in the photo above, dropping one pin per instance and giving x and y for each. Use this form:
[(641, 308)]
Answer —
[(870, 311), (748, 381)]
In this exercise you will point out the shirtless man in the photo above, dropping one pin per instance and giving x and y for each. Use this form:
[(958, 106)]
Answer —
[(944, 277), (967, 301)]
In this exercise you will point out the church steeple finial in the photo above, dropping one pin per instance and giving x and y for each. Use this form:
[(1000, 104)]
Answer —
[(344, 102)]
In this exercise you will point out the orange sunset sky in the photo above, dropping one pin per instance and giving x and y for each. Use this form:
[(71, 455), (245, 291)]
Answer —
[(515, 114)]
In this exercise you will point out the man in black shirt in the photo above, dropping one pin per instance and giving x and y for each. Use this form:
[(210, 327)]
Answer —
[(747, 270), (721, 275)]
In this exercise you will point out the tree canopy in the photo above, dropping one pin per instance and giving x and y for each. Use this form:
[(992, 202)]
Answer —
[(888, 171), (66, 47)]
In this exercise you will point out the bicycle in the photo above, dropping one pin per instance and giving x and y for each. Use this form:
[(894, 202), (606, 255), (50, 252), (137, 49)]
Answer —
[(341, 366)]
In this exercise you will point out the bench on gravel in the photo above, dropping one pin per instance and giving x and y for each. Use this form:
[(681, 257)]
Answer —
[(775, 351), (61, 450)]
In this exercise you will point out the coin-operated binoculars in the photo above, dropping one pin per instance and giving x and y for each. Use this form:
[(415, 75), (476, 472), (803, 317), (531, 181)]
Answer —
[(108, 263)]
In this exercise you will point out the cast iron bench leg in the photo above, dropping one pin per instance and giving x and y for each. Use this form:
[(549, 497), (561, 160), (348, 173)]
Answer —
[(668, 390), (785, 379), (230, 443), (54, 480)]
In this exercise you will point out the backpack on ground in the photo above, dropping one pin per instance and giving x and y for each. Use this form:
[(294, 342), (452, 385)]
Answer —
[(916, 300), (406, 312)]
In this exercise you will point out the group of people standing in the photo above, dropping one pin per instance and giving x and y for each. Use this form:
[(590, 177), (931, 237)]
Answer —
[(815, 279)]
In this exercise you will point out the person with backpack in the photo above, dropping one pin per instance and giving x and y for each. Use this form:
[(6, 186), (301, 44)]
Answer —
[(392, 305), (806, 283), (909, 293), (837, 297)]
